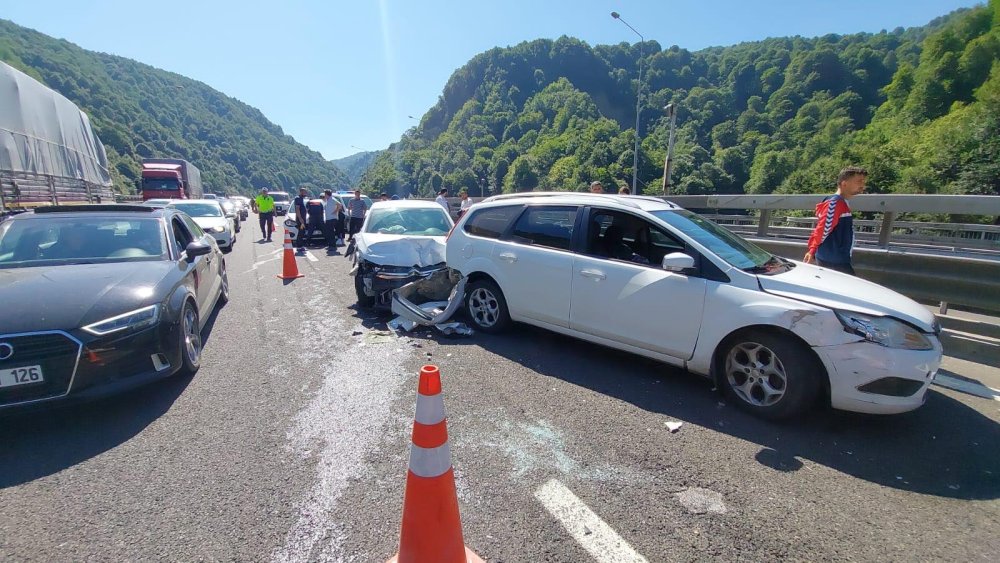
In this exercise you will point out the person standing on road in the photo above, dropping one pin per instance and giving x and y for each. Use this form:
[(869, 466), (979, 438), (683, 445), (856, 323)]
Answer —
[(832, 241), (466, 202), (301, 216), (383, 197), (331, 211), (596, 187), (442, 200), (356, 210), (263, 205)]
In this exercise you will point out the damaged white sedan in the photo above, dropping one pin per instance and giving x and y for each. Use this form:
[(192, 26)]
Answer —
[(643, 275), (401, 241)]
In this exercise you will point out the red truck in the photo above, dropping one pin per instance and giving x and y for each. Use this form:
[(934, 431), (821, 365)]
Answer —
[(170, 178)]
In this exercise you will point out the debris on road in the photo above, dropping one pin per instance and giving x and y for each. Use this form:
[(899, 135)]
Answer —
[(673, 426), (379, 337), (430, 302)]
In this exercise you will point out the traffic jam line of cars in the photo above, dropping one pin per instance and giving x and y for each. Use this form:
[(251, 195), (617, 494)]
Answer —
[(102, 298), (628, 272)]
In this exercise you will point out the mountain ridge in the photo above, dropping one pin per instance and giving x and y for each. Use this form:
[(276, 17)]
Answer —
[(140, 111)]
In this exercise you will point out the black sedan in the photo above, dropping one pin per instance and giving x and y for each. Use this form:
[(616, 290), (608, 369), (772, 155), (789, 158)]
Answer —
[(101, 298)]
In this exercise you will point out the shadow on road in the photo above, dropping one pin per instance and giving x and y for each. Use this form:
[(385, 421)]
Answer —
[(42, 442), (945, 448)]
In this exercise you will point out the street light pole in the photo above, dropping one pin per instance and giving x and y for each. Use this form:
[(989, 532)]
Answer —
[(638, 101), (668, 161)]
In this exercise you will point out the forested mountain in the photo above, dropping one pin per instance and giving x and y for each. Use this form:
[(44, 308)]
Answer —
[(919, 107), (140, 111), (355, 165)]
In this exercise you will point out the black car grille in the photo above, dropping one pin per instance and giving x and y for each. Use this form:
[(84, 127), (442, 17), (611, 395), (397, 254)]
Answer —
[(56, 353)]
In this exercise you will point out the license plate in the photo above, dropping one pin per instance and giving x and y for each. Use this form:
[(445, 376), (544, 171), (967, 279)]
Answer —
[(11, 377)]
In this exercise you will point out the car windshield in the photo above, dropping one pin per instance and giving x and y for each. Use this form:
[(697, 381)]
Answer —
[(409, 221), (160, 184), (733, 249), (73, 239), (199, 209), (279, 196)]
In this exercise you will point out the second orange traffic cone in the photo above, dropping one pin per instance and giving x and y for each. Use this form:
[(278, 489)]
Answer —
[(432, 526), (289, 268)]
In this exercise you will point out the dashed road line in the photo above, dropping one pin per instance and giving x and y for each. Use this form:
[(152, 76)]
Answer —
[(310, 256), (587, 528)]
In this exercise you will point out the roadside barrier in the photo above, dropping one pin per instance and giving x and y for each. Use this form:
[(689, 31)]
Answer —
[(289, 268), (432, 527)]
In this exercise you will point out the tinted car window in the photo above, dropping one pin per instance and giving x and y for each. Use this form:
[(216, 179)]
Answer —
[(492, 222), (545, 226)]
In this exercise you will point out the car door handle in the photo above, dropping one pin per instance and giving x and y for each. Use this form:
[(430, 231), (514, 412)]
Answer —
[(508, 257), (593, 274)]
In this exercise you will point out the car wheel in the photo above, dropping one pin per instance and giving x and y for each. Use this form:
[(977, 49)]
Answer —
[(770, 375), (224, 287), (190, 339), (486, 306), (365, 301)]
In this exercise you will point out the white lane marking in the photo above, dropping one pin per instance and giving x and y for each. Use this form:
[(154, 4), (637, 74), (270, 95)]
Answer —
[(311, 257), (970, 387), (259, 263), (587, 528)]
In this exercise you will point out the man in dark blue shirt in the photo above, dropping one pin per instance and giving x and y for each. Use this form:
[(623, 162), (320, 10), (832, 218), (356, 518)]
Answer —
[(301, 216)]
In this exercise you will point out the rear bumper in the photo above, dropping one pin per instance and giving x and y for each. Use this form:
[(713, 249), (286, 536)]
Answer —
[(855, 365)]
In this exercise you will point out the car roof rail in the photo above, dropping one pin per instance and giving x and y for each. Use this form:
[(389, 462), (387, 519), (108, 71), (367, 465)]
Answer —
[(623, 200), (91, 207)]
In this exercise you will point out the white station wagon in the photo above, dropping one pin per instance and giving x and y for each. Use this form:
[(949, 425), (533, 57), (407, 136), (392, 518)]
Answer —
[(643, 275)]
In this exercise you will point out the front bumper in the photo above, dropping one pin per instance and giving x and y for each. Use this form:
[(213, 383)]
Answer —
[(866, 365), (103, 366), (380, 283)]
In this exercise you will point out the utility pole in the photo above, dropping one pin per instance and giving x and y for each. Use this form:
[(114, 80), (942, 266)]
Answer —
[(668, 162)]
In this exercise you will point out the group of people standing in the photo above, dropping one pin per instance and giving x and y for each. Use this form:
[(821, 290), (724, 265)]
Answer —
[(329, 216)]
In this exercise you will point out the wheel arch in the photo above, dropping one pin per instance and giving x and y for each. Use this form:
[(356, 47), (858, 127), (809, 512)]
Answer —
[(780, 331)]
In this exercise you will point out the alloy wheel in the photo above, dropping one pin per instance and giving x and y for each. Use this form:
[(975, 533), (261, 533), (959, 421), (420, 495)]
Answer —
[(192, 336), (483, 307), (756, 374)]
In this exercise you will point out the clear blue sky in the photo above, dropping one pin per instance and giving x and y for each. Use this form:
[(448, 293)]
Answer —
[(340, 74)]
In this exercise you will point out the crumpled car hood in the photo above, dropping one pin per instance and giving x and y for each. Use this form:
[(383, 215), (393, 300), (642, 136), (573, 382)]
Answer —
[(829, 288), (400, 250)]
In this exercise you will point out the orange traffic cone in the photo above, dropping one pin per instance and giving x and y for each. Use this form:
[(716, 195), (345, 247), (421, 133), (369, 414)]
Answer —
[(432, 527), (289, 268)]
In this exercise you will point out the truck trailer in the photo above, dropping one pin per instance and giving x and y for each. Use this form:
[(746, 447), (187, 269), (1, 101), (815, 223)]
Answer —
[(49, 153)]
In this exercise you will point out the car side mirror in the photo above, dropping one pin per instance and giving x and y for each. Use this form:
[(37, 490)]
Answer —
[(677, 262), (195, 249)]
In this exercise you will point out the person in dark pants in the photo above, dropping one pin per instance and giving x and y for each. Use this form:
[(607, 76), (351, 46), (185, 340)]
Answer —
[(264, 206), (832, 240), (301, 216), (331, 209), (356, 211)]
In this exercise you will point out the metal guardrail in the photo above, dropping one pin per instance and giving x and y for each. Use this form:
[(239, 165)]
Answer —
[(941, 262)]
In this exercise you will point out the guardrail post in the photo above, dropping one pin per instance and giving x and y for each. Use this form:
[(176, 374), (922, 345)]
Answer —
[(943, 308), (52, 190), (885, 232), (765, 222)]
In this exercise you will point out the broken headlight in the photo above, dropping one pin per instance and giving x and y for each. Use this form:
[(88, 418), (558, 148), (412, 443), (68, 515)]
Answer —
[(884, 331)]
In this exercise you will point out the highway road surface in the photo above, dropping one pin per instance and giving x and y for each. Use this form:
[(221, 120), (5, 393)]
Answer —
[(291, 444)]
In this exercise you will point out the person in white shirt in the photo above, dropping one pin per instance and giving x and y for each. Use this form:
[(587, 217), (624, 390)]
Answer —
[(466, 202), (331, 211), (442, 200)]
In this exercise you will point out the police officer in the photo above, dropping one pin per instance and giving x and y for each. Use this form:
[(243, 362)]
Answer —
[(263, 206)]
